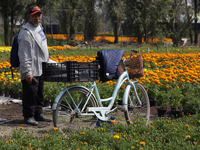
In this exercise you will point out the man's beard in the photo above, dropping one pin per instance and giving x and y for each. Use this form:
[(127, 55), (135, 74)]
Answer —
[(36, 24)]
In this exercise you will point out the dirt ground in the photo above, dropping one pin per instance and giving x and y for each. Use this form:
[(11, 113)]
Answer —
[(12, 112)]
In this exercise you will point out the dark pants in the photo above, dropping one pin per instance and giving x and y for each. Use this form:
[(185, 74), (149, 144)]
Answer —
[(32, 98)]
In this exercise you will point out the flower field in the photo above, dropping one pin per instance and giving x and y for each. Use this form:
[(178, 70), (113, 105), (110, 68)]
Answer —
[(172, 78), (110, 39), (171, 73)]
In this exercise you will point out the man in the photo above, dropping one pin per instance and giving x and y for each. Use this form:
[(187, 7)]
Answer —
[(32, 52)]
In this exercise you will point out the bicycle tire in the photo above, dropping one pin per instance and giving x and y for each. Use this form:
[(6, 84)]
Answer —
[(62, 116), (137, 112)]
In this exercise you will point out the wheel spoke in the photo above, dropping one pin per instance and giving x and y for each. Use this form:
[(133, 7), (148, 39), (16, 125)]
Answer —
[(69, 108), (136, 111)]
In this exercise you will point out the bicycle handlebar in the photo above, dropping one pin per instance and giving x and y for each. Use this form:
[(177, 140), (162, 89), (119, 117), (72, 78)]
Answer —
[(133, 50)]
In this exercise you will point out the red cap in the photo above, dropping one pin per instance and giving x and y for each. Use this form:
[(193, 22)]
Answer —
[(34, 9)]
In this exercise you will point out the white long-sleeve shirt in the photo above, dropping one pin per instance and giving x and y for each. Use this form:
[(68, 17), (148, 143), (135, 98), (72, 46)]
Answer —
[(32, 50)]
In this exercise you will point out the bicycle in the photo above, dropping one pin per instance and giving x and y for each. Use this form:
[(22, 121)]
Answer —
[(78, 101)]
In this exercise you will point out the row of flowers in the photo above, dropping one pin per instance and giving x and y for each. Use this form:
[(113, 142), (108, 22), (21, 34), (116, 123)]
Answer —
[(8, 48), (111, 39)]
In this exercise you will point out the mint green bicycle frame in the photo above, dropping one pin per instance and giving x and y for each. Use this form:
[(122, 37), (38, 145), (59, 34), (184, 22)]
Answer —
[(100, 112)]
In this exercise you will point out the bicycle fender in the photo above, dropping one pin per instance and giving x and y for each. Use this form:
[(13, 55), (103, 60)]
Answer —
[(125, 97), (63, 91), (128, 85)]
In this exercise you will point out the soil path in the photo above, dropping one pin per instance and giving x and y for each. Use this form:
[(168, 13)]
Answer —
[(11, 118)]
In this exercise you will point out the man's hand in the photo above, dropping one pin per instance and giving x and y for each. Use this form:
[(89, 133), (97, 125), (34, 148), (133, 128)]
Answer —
[(29, 78)]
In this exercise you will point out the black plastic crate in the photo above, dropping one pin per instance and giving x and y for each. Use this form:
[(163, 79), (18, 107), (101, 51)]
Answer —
[(71, 71)]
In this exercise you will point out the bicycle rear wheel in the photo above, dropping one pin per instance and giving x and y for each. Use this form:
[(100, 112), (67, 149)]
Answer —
[(67, 113), (137, 112)]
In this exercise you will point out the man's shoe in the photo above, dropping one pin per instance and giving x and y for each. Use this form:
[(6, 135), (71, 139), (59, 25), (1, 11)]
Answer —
[(42, 118), (30, 121)]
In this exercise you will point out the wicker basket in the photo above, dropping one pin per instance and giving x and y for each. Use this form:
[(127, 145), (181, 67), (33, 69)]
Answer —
[(134, 67)]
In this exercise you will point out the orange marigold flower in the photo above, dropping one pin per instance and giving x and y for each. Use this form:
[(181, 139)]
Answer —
[(55, 128), (116, 136), (113, 121), (142, 143)]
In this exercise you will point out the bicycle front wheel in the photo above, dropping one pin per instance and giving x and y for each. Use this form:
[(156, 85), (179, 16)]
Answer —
[(137, 112), (70, 106)]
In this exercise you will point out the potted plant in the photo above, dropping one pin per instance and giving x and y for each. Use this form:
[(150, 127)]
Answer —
[(152, 91), (1, 87), (6, 89), (189, 96), (15, 88), (176, 97), (50, 93), (54, 92), (47, 94), (192, 106), (163, 101)]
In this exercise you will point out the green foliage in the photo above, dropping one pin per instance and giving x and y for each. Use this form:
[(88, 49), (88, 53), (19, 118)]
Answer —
[(191, 101), (187, 98), (147, 13), (163, 99), (159, 134), (142, 19), (54, 42), (192, 106), (152, 90), (71, 17), (13, 10), (91, 20), (2, 43), (50, 91), (116, 14), (16, 87), (105, 90), (176, 97), (1, 85)]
